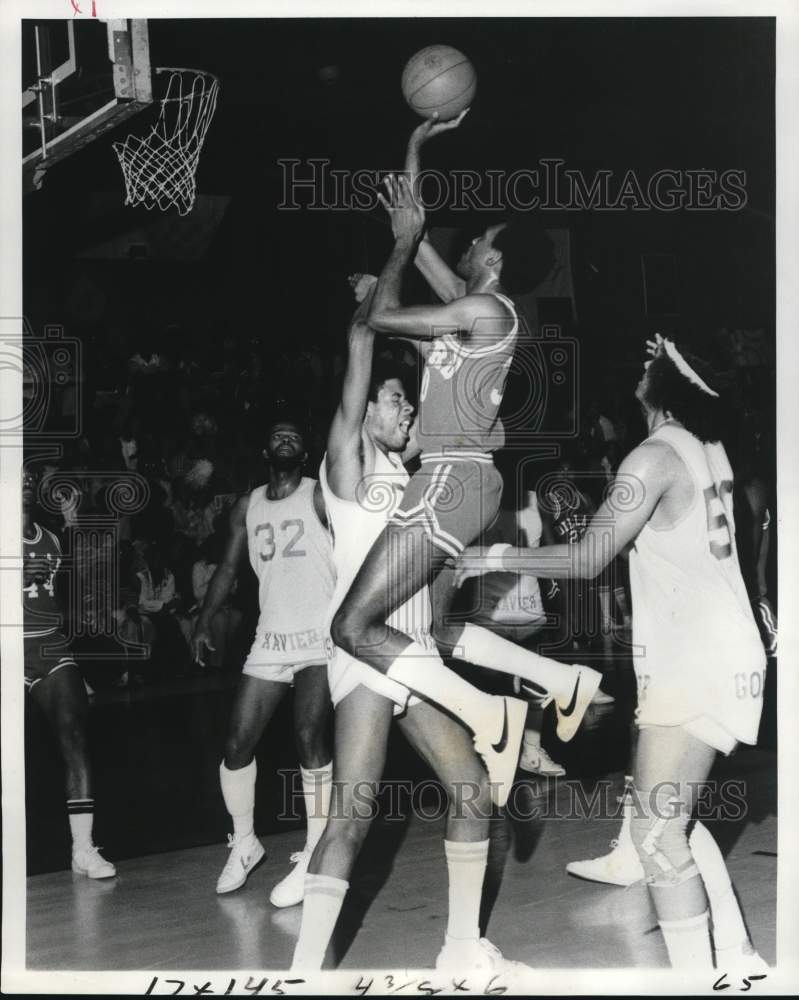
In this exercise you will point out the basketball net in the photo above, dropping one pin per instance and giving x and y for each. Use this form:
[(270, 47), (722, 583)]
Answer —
[(159, 169)]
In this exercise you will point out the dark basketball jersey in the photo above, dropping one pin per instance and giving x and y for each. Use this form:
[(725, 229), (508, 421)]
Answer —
[(462, 389), (41, 612)]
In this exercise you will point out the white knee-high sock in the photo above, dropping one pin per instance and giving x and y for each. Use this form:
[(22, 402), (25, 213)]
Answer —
[(729, 930), (81, 821), (485, 649), (688, 942), (324, 897), (238, 791), (466, 865), (317, 785), (425, 674)]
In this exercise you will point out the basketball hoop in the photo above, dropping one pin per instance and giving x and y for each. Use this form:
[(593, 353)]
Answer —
[(159, 169)]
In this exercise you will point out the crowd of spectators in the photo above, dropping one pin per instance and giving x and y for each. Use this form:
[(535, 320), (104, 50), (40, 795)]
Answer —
[(188, 420)]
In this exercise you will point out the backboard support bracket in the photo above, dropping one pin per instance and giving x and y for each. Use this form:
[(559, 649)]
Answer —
[(131, 73)]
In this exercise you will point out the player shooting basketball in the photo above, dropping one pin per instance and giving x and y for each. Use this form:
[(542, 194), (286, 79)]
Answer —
[(361, 470), (470, 341)]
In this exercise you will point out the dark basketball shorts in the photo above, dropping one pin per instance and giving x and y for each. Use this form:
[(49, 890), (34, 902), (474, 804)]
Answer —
[(40, 661), (454, 497)]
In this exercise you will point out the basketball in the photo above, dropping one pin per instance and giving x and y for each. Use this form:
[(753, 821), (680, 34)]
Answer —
[(439, 79)]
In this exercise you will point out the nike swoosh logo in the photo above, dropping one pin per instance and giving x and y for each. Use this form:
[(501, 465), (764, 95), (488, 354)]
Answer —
[(570, 707), (503, 740)]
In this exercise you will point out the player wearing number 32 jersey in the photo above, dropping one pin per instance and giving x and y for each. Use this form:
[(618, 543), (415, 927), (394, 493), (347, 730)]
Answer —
[(282, 526), (290, 553)]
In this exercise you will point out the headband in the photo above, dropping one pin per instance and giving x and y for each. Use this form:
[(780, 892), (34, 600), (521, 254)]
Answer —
[(685, 369)]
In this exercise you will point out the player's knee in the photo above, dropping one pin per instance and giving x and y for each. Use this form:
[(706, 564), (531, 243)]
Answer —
[(470, 796), (659, 834), (342, 630), (239, 751), (352, 632), (349, 821), (72, 734), (309, 736), (446, 637)]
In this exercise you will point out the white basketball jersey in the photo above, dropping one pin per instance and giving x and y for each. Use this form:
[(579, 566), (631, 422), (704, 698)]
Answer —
[(697, 648), (356, 524), (291, 556), (508, 598)]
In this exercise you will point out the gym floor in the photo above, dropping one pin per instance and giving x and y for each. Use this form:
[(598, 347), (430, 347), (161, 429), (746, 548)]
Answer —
[(161, 819)]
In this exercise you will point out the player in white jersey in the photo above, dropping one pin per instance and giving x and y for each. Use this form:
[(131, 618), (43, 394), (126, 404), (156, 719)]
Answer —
[(699, 661), (282, 526), (54, 681), (363, 481)]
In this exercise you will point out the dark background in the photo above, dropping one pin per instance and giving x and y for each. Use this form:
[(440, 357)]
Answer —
[(639, 94), (618, 94)]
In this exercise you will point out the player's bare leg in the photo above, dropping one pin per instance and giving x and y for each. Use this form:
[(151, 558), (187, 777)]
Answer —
[(253, 707), (62, 697), (362, 722), (670, 765), (401, 561), (447, 747), (311, 713)]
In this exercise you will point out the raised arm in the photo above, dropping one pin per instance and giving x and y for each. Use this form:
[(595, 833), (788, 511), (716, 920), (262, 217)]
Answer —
[(439, 276), (344, 457), (387, 316), (641, 481), (223, 579)]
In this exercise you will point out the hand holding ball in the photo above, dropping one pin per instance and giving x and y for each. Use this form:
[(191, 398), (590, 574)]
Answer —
[(439, 80)]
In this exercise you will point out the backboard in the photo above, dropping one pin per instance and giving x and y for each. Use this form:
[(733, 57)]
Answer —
[(80, 78)]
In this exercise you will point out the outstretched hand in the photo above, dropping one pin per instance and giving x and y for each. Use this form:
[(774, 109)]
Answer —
[(473, 561), (406, 214), (653, 347), (361, 285), (433, 126)]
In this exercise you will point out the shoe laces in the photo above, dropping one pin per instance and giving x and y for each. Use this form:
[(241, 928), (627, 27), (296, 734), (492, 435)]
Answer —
[(90, 849), (490, 949)]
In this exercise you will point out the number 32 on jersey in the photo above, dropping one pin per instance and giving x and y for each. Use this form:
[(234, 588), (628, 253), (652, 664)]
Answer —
[(288, 535)]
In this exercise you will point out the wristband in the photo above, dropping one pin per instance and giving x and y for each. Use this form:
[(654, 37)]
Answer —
[(494, 557)]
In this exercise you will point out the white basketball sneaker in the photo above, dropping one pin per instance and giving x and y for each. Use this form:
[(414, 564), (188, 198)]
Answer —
[(245, 853), (474, 955), (536, 760), (291, 890), (87, 860), (502, 757), (621, 866), (740, 962), (571, 714)]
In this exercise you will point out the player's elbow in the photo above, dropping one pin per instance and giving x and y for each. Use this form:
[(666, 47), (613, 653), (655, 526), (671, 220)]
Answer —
[(380, 320), (593, 560)]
